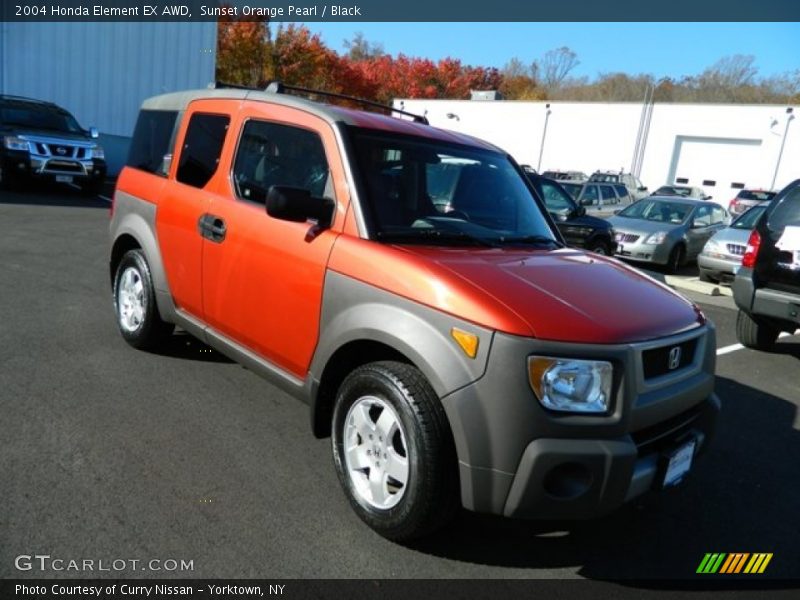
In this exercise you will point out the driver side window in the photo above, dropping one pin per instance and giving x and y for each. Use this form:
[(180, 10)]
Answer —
[(555, 199), (702, 218)]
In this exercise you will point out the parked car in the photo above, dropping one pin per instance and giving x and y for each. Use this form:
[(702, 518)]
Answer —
[(566, 175), (746, 199), (459, 358), (42, 141), (767, 286), (684, 191), (631, 182), (579, 229), (722, 255), (597, 194), (667, 231)]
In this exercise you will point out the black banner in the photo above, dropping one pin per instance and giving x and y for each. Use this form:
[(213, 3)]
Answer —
[(349, 589), (405, 11)]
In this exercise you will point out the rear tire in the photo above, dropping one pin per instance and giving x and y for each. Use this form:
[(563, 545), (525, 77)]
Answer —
[(135, 304), (393, 451), (753, 333)]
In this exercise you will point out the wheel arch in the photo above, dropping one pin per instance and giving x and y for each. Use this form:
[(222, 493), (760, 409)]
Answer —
[(133, 226)]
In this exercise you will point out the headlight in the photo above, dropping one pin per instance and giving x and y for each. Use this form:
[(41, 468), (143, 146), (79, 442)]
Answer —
[(711, 246), (655, 238), (14, 143), (98, 152), (571, 385)]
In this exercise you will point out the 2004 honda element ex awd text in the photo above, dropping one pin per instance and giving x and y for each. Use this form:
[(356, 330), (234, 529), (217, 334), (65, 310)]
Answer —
[(408, 284)]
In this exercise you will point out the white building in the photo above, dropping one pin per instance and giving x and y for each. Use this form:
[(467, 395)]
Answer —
[(717, 147), (101, 72)]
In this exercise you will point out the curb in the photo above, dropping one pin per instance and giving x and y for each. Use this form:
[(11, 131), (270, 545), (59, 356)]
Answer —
[(693, 284)]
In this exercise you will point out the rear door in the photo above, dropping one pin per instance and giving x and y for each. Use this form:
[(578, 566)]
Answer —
[(186, 197)]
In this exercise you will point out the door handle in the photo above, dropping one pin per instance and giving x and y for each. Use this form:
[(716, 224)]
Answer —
[(212, 227)]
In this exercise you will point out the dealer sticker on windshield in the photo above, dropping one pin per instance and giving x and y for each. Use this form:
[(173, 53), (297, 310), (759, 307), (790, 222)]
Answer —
[(680, 462)]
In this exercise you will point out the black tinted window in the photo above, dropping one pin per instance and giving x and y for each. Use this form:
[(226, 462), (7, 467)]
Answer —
[(272, 154), (152, 139), (786, 212), (202, 147)]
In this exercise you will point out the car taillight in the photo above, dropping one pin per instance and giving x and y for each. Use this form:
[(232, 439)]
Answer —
[(732, 205), (751, 252)]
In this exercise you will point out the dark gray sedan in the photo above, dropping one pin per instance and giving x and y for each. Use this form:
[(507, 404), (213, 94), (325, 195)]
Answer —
[(666, 231)]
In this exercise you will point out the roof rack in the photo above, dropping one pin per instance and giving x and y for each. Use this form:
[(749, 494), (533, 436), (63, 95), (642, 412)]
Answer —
[(277, 87)]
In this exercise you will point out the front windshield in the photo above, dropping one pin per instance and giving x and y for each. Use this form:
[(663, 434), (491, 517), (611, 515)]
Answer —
[(605, 178), (39, 118), (573, 189), (419, 190), (748, 219), (662, 211)]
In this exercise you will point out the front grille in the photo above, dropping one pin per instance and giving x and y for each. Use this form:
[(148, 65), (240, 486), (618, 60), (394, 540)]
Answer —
[(656, 362), (628, 238), (662, 435), (62, 150), (735, 249)]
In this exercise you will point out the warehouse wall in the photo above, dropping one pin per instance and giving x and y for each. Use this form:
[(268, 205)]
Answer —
[(101, 72), (702, 142)]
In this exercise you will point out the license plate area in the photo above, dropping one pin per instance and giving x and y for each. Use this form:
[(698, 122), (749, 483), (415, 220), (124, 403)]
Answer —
[(677, 462), (64, 178)]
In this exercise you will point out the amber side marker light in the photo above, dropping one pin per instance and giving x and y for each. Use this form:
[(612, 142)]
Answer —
[(467, 341)]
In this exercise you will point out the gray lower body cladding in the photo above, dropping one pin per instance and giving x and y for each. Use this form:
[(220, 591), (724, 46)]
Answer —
[(518, 459)]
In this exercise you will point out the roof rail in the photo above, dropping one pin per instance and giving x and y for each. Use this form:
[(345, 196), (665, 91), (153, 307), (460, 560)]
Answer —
[(276, 87)]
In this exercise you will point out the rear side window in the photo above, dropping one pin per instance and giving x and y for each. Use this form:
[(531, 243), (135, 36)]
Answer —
[(607, 193), (786, 212), (273, 154), (622, 191), (152, 140), (202, 147)]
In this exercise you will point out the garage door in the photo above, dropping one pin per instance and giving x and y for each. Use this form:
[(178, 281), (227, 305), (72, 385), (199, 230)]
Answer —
[(717, 165)]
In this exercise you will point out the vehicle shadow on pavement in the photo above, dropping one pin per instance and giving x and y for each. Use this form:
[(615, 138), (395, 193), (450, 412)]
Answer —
[(61, 195), (787, 348), (741, 497), (185, 346)]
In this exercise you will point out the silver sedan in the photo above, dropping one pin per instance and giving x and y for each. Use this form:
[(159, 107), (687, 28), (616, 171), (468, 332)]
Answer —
[(722, 255), (666, 231)]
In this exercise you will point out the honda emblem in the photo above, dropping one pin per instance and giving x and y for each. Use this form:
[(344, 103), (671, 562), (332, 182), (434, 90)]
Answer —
[(674, 358)]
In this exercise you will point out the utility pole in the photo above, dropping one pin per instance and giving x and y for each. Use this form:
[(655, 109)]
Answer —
[(789, 118)]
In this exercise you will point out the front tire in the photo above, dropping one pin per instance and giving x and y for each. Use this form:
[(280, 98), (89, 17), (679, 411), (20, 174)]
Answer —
[(135, 304), (393, 451), (600, 247), (676, 259), (755, 334)]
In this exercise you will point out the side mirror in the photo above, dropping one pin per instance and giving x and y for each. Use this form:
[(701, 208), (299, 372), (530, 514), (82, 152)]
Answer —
[(580, 211), (93, 133), (709, 197), (642, 188), (298, 205)]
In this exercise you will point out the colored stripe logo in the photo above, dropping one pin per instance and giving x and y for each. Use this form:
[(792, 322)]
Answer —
[(735, 562)]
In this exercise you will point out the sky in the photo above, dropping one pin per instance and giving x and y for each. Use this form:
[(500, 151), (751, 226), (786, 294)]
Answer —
[(660, 49)]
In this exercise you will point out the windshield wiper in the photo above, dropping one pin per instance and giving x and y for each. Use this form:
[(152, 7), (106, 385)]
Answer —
[(530, 239), (436, 235)]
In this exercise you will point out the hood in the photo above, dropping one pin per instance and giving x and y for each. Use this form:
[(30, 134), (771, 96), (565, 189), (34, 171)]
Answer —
[(47, 133), (569, 296), (643, 226)]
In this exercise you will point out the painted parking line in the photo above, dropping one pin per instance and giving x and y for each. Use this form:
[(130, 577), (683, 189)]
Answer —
[(77, 187), (735, 347)]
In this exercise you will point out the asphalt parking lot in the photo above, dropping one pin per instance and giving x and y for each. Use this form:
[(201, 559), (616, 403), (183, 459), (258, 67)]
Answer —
[(111, 453)]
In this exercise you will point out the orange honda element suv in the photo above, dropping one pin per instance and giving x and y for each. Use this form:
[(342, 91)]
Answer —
[(407, 283)]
